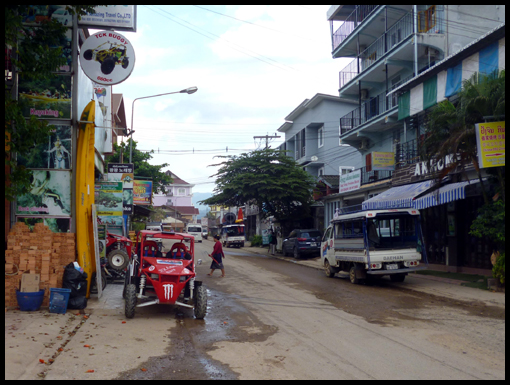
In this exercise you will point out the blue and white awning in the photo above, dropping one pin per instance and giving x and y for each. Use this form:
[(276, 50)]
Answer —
[(397, 197), (447, 193)]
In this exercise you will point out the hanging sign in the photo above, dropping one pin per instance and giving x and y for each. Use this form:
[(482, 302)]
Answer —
[(107, 58), (490, 142)]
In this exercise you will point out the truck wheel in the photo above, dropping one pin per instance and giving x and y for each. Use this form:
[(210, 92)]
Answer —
[(130, 301), (397, 277), (330, 272), (352, 275), (118, 259), (200, 308)]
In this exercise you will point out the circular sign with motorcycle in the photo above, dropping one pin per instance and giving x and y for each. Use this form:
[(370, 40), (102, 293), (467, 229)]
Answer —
[(107, 58)]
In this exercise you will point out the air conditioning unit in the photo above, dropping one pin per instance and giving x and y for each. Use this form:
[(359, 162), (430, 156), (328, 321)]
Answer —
[(364, 144), (364, 94)]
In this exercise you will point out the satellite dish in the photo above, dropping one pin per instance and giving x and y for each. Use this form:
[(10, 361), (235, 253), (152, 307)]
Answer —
[(229, 218)]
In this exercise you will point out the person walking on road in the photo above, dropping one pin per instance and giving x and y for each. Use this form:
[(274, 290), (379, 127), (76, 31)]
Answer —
[(217, 256)]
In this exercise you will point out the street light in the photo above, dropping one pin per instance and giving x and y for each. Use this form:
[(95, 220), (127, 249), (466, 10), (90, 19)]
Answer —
[(189, 90)]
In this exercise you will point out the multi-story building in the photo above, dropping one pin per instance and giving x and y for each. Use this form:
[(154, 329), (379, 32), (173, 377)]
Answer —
[(312, 139), (403, 60), (178, 197)]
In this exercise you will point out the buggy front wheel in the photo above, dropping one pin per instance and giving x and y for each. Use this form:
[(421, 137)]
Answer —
[(200, 308), (130, 301)]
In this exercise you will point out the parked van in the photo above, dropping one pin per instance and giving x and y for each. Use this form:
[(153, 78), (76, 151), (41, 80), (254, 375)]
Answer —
[(374, 242), (195, 230), (232, 235)]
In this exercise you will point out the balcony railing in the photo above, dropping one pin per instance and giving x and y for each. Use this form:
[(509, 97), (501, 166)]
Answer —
[(360, 13), (374, 175), (389, 39), (406, 153), (370, 109)]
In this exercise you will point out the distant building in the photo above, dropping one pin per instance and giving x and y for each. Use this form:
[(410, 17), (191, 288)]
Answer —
[(178, 198)]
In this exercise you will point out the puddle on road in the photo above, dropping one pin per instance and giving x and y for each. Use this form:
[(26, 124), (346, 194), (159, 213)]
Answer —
[(192, 339)]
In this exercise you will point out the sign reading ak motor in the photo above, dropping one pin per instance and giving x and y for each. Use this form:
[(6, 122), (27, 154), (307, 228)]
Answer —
[(107, 57)]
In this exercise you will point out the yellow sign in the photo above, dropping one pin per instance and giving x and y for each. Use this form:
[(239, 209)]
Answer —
[(490, 142), (383, 161)]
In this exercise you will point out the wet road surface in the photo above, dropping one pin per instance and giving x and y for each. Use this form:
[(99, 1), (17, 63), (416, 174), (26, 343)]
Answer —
[(270, 319)]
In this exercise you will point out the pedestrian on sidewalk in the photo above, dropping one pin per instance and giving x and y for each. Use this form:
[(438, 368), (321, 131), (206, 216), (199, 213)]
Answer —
[(217, 255), (272, 241)]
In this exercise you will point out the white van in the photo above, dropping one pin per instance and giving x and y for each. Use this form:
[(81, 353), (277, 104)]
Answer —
[(374, 242), (195, 230)]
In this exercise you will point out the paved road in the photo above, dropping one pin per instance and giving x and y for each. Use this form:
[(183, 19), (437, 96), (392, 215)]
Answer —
[(270, 319)]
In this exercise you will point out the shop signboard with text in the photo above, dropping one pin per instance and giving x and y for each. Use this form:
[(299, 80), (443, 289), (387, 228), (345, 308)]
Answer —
[(350, 181), (490, 142)]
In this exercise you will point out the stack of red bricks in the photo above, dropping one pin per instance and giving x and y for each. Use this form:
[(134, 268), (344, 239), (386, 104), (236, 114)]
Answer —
[(41, 252)]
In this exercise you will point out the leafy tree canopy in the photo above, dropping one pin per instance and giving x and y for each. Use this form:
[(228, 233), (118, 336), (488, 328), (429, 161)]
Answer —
[(142, 167), (268, 178)]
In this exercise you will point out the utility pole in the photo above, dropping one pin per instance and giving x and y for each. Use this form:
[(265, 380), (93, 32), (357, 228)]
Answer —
[(267, 137)]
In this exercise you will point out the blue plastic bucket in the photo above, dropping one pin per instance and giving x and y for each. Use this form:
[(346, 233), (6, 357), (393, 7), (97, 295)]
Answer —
[(58, 300), (30, 301)]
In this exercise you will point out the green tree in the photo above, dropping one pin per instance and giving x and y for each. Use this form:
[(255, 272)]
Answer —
[(268, 178), (35, 54), (142, 167)]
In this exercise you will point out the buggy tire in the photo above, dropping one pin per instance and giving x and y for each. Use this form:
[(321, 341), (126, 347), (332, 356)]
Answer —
[(108, 65), (130, 301), (87, 55), (200, 308), (118, 259)]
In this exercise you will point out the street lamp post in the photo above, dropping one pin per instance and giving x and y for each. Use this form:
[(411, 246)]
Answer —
[(189, 90)]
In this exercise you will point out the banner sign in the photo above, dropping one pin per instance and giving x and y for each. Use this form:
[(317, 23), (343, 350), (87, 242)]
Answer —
[(142, 192), (383, 161), (123, 172), (350, 181), (490, 142)]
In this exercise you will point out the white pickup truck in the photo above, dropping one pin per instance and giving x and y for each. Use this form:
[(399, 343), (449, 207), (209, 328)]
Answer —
[(232, 235), (373, 242)]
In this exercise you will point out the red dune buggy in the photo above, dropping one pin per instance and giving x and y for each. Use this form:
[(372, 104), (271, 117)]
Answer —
[(118, 251), (156, 277)]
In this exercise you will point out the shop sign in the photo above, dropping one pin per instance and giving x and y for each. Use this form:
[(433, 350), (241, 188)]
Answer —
[(425, 168), (383, 161), (118, 17), (107, 58), (490, 143), (123, 172), (142, 192), (350, 181)]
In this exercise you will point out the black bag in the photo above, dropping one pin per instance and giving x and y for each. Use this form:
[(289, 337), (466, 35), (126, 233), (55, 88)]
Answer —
[(77, 303), (75, 281)]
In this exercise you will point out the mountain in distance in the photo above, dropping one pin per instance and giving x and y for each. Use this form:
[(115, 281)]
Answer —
[(203, 209)]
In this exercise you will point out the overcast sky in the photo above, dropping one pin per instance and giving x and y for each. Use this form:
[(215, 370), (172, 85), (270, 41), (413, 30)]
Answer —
[(250, 74)]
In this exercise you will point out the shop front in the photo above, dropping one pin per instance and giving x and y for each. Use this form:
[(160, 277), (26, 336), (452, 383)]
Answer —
[(447, 208)]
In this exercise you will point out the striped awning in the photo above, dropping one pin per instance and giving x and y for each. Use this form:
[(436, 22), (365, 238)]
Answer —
[(397, 197), (447, 193)]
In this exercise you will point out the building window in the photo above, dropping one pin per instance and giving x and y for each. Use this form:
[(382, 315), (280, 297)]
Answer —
[(321, 171), (321, 136), (182, 191)]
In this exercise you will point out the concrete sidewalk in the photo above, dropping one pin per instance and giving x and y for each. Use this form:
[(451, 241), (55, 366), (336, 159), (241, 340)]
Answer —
[(442, 287)]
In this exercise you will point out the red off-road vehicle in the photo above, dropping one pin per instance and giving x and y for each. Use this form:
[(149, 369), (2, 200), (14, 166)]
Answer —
[(118, 251), (164, 277)]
